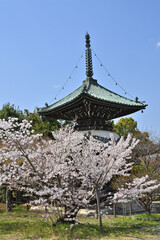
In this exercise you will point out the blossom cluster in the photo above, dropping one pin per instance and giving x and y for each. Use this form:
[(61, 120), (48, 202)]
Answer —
[(135, 190)]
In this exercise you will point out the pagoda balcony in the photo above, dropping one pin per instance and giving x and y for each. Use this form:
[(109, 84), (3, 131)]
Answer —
[(93, 124)]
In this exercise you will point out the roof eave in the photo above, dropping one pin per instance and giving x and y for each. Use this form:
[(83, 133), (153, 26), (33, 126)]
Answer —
[(84, 97)]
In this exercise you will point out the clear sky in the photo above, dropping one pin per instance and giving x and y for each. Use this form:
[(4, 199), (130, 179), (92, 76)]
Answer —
[(42, 40)]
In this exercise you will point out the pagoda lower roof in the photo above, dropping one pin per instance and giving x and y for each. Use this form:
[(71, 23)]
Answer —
[(96, 94)]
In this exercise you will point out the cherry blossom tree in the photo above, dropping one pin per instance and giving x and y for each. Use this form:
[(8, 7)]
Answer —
[(140, 188), (67, 171)]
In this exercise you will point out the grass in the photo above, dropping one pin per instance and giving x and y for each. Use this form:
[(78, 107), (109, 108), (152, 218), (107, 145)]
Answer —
[(21, 224), (146, 216)]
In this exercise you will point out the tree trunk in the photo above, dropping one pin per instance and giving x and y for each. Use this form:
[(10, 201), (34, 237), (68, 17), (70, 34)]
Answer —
[(69, 215), (28, 207), (130, 208), (147, 203), (8, 200), (114, 209), (147, 208), (96, 210), (18, 197), (99, 209), (123, 208)]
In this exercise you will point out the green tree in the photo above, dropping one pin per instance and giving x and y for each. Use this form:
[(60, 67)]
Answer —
[(125, 126), (9, 110), (43, 125), (40, 124), (142, 136)]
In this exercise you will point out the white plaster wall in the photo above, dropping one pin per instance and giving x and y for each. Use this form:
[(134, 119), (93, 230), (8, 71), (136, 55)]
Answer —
[(101, 133)]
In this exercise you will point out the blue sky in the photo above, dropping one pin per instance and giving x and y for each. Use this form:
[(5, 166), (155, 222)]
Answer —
[(42, 40)]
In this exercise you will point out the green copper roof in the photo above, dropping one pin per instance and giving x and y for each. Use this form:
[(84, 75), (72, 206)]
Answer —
[(91, 88)]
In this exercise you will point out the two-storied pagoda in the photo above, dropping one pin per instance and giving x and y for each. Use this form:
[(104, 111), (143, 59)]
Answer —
[(91, 105)]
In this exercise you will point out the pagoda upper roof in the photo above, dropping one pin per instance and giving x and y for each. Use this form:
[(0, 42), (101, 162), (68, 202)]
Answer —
[(97, 93), (91, 103)]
